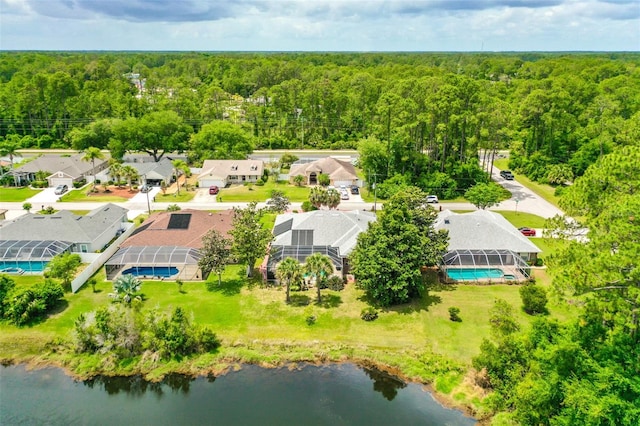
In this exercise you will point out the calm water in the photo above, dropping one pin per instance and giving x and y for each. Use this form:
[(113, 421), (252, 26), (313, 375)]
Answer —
[(329, 395)]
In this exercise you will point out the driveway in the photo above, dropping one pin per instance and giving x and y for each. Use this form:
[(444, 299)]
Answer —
[(47, 195), (523, 199)]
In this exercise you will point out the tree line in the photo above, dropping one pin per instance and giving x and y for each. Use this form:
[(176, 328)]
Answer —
[(557, 113)]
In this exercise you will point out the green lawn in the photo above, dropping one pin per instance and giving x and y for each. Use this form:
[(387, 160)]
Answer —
[(175, 198), (81, 195), (248, 193), (520, 219), (243, 313), (17, 194), (547, 192)]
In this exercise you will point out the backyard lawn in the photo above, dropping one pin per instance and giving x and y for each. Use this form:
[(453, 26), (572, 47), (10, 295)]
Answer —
[(17, 194), (241, 312), (257, 193)]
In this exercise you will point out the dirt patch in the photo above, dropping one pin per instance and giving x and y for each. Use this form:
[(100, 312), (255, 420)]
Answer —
[(112, 190)]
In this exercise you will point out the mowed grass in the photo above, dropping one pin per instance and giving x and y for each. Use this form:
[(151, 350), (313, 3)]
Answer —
[(547, 192), (242, 193), (16, 194), (183, 197), (241, 313), (81, 195)]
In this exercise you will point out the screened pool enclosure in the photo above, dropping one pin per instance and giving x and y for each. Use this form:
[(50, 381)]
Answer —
[(29, 256), (484, 265), (155, 262)]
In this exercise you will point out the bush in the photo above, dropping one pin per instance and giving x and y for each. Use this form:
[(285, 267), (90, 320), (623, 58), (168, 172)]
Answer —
[(33, 303), (454, 314), (311, 319), (260, 182), (369, 314), (173, 208), (534, 299), (335, 283), (307, 206)]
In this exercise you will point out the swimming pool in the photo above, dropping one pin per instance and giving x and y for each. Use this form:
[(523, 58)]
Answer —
[(25, 265), (151, 271), (474, 274)]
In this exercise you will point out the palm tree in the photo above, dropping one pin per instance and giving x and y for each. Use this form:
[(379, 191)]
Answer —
[(9, 148), (317, 196), (125, 287), (288, 271), (333, 198), (130, 174), (115, 171), (318, 266), (178, 167), (92, 154)]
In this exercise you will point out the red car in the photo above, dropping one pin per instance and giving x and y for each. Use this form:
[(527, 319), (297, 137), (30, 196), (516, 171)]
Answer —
[(527, 232), (213, 190)]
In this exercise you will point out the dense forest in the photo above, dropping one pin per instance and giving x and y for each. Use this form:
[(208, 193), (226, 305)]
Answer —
[(421, 117)]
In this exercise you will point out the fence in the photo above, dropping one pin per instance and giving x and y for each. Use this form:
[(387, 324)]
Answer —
[(99, 259)]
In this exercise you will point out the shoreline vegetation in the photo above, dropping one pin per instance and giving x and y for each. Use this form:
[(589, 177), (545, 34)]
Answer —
[(415, 342)]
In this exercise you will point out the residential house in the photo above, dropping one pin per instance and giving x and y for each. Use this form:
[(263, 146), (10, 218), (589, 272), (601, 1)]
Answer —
[(331, 232), (168, 244), (38, 238), (340, 172), (61, 169), (484, 240), (225, 172)]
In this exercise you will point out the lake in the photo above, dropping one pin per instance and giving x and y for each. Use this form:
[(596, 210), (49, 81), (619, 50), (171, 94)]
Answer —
[(334, 394)]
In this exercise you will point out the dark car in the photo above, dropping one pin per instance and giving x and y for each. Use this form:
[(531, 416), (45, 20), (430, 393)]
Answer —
[(61, 189), (213, 190), (506, 174), (355, 190), (527, 232), (145, 188)]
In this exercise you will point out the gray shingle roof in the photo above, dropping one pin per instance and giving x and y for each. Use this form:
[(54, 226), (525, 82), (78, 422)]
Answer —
[(334, 228), (223, 168), (62, 226), (483, 229), (72, 165), (336, 169), (160, 170)]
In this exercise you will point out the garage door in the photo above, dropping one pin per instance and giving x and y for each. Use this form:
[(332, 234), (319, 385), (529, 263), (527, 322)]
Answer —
[(205, 183), (55, 181)]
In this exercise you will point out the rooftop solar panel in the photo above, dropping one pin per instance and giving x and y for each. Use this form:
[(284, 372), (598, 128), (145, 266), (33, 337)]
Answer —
[(179, 221)]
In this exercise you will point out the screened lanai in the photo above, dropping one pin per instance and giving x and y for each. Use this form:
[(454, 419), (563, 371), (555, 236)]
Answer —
[(155, 262), (484, 265), (300, 253), (29, 256)]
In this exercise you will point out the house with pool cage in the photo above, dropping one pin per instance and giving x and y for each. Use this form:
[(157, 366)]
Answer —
[(330, 232), (30, 241), (484, 247), (167, 245)]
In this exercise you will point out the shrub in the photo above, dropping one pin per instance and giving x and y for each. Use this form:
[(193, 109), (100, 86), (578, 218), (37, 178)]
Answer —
[(173, 208), (534, 299), (311, 319), (27, 206), (33, 303), (335, 283), (454, 314), (307, 206), (260, 182), (369, 314)]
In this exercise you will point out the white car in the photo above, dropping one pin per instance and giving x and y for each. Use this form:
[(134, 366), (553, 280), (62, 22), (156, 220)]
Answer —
[(432, 199)]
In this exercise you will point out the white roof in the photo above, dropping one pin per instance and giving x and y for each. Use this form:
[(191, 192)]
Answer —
[(483, 229)]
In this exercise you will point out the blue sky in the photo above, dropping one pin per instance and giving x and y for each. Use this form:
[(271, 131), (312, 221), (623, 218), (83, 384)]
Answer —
[(319, 25)]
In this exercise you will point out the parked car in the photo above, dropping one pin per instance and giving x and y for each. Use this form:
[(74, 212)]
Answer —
[(432, 199), (527, 232), (213, 190), (145, 188), (61, 189), (506, 174), (355, 190), (344, 195)]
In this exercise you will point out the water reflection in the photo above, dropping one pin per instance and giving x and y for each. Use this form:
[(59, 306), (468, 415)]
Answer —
[(137, 386), (384, 383)]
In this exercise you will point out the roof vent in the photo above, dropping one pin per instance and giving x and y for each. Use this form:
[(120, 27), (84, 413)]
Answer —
[(447, 221)]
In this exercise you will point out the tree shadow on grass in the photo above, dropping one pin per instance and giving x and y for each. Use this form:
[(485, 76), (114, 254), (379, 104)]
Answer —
[(417, 304), (330, 301), (228, 287), (299, 300)]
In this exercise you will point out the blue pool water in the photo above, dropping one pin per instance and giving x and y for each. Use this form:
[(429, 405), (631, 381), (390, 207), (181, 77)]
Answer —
[(26, 266), (474, 274), (152, 271)]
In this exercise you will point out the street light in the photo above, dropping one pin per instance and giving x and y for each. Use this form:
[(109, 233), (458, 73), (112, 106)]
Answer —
[(517, 200)]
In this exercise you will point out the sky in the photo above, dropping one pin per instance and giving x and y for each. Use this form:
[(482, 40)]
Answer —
[(319, 25)]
